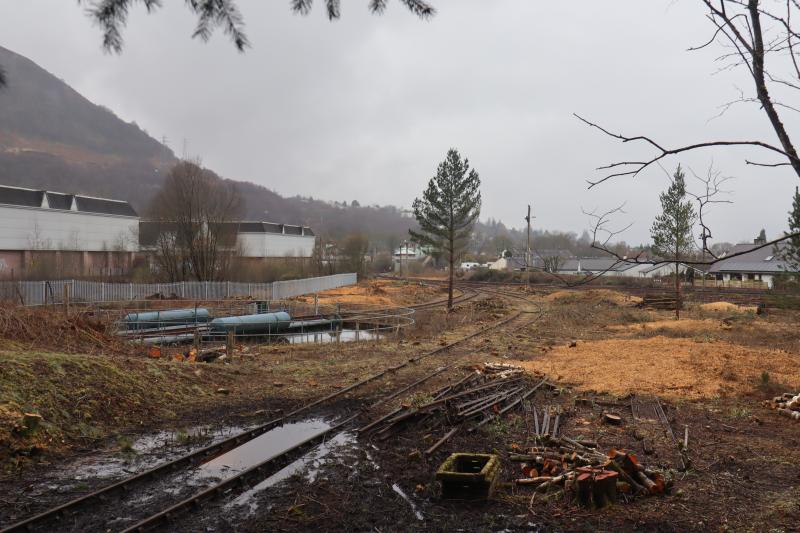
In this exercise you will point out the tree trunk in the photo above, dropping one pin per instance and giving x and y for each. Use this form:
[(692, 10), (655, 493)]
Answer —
[(677, 292), (450, 285)]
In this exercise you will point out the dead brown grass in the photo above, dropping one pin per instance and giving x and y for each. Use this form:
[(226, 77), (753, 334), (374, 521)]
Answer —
[(671, 367)]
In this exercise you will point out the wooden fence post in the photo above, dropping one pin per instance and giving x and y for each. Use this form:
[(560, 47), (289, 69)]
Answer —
[(66, 300), (230, 345)]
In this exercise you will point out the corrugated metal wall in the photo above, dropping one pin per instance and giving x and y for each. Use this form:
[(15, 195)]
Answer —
[(42, 292)]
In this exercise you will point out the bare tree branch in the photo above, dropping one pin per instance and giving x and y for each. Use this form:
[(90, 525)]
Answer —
[(638, 166)]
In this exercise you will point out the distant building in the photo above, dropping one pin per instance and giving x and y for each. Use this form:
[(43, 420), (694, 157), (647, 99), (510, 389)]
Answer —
[(407, 254), (610, 266), (267, 239), (254, 240), (45, 233), (755, 267)]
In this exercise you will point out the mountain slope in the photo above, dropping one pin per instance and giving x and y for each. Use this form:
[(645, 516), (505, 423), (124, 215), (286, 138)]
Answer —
[(52, 137)]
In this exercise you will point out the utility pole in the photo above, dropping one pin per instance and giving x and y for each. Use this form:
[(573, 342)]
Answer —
[(528, 253)]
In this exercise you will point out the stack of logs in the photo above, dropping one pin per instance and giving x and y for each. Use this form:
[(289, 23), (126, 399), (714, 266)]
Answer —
[(787, 404), (659, 302), (593, 478)]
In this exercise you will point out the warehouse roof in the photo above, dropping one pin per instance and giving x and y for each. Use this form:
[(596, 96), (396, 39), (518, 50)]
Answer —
[(765, 259), (23, 197), (149, 230)]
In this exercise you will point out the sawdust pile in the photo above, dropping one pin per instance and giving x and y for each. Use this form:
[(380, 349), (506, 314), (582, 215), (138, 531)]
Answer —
[(672, 367), (728, 307), (377, 292), (42, 328), (593, 296), (684, 325)]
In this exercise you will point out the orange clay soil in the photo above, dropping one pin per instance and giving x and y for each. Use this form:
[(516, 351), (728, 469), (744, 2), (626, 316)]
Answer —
[(378, 292), (727, 307), (685, 325), (593, 296), (669, 367)]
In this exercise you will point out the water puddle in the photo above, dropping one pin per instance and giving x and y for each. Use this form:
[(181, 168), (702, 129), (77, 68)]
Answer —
[(312, 462), (261, 448), (398, 490), (130, 458), (324, 337)]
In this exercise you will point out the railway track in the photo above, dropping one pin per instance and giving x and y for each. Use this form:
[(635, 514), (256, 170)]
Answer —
[(737, 295), (67, 511)]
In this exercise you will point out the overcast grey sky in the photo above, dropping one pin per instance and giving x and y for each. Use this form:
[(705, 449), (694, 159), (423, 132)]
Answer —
[(365, 107)]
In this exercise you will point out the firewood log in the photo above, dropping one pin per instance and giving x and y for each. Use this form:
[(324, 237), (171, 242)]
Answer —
[(604, 491), (583, 485), (791, 414), (648, 483), (533, 480), (555, 481)]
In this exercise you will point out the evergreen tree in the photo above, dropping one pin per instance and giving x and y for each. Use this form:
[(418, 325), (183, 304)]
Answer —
[(790, 252), (672, 229), (448, 210)]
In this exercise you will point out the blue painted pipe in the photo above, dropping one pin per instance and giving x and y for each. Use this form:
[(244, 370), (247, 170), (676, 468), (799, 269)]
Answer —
[(170, 317), (259, 324)]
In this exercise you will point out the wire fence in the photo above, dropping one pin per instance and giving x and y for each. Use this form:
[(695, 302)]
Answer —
[(46, 292)]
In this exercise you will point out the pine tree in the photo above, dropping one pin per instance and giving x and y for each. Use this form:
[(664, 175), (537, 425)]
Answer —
[(790, 252), (448, 210), (672, 229)]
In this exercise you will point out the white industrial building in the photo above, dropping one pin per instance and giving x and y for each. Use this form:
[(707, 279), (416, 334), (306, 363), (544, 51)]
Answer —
[(267, 239), (254, 240), (64, 231), (44, 220), (49, 234)]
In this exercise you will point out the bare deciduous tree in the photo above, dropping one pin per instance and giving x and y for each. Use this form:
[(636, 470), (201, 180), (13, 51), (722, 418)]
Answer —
[(763, 40), (195, 213)]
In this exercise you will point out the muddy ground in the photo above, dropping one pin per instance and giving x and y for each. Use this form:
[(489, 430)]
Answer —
[(710, 371)]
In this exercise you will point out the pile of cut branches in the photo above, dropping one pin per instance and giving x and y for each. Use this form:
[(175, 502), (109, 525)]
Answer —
[(583, 473), (50, 329)]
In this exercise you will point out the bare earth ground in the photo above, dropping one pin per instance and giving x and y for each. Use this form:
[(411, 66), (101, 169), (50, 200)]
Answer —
[(712, 370)]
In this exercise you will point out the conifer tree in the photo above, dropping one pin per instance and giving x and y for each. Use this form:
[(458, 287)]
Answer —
[(672, 229), (790, 252), (447, 211)]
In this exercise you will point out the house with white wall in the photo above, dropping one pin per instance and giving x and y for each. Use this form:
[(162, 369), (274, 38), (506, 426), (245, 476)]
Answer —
[(757, 265)]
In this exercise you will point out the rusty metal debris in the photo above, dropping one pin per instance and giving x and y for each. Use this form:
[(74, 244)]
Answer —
[(489, 392)]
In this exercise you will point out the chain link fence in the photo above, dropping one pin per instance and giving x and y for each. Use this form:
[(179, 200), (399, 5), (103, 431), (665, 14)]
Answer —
[(46, 292)]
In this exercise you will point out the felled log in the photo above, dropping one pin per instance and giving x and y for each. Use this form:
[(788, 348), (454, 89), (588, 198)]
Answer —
[(795, 415), (555, 481), (533, 480)]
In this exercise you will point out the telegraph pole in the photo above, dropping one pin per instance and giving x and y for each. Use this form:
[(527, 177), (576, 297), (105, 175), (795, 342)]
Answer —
[(528, 253)]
